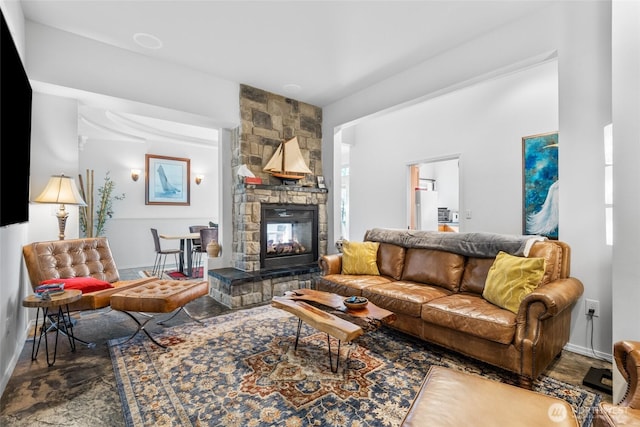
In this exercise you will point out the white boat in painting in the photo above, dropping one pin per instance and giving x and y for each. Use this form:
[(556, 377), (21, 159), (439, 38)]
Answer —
[(167, 188), (287, 162)]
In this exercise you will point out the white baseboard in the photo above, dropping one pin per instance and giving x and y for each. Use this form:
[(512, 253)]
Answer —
[(588, 352), (21, 341)]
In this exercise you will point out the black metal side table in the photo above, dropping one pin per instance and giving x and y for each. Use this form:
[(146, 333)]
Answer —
[(60, 320)]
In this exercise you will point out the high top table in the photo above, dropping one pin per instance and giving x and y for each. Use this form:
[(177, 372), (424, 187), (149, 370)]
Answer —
[(188, 238)]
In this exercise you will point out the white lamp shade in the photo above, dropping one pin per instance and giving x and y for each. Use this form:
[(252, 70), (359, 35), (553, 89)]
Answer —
[(61, 189)]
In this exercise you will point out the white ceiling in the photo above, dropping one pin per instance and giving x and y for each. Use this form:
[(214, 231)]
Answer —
[(326, 49), (101, 124)]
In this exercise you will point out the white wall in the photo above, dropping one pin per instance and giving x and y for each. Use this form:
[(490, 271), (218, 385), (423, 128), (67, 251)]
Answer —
[(129, 230), (66, 70), (54, 151), (485, 122), (66, 60), (626, 191), (579, 34), (13, 319), (584, 51), (137, 85), (522, 43)]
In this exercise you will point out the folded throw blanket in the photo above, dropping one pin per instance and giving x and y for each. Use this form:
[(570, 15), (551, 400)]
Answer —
[(481, 245)]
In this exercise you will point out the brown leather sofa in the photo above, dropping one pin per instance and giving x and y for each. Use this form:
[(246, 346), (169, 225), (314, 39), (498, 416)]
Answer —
[(434, 283), (627, 412), (89, 257)]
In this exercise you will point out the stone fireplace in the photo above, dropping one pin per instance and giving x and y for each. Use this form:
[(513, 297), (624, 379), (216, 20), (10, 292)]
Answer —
[(248, 243), (258, 273), (267, 120)]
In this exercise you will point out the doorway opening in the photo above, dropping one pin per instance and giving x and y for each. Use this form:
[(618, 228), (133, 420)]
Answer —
[(434, 195)]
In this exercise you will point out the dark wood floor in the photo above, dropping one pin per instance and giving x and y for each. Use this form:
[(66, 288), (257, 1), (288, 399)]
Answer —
[(572, 368)]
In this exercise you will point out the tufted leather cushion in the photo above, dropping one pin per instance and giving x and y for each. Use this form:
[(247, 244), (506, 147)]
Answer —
[(436, 405), (59, 259), (88, 257), (433, 267), (159, 296)]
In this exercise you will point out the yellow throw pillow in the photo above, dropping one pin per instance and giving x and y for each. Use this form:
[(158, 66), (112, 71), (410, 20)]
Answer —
[(360, 258), (511, 278)]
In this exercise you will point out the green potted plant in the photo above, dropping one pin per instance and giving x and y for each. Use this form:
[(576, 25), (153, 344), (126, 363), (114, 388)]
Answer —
[(91, 225)]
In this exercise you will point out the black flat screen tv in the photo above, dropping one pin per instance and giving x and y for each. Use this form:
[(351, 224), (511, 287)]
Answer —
[(15, 132)]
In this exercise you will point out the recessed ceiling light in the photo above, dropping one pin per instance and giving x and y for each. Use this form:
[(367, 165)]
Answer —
[(148, 41), (292, 88)]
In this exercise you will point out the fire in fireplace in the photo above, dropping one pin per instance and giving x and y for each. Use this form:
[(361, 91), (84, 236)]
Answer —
[(288, 235)]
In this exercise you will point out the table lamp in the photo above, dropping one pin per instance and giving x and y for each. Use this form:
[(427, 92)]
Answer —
[(61, 189)]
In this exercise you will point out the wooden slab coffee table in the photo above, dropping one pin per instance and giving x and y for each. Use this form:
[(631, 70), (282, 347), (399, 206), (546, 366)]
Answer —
[(328, 314)]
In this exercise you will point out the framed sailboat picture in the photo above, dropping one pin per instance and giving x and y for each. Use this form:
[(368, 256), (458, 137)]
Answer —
[(167, 180), (540, 185)]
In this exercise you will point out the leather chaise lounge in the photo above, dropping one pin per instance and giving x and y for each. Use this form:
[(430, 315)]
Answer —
[(90, 260), (89, 257), (435, 283)]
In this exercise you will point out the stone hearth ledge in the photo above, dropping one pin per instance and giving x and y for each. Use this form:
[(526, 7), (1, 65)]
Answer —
[(235, 288)]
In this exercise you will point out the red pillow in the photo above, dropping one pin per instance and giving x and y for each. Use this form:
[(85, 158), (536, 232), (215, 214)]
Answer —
[(84, 284)]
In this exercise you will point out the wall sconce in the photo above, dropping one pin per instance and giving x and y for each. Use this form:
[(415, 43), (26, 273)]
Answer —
[(135, 174), (199, 179)]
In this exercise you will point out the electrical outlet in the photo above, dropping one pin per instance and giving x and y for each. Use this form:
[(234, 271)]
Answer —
[(594, 305)]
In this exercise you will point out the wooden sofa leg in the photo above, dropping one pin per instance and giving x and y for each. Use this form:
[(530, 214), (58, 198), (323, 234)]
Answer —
[(525, 382)]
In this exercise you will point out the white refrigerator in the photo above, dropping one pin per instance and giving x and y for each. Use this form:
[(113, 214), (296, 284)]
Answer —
[(426, 209)]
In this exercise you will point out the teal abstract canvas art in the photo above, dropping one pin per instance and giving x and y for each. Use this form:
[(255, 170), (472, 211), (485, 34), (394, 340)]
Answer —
[(540, 185)]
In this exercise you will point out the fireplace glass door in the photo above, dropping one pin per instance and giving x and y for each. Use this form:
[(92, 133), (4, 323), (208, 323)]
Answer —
[(288, 235)]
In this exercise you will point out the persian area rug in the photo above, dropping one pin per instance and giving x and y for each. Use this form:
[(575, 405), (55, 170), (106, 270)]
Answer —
[(174, 275), (177, 275), (241, 369)]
